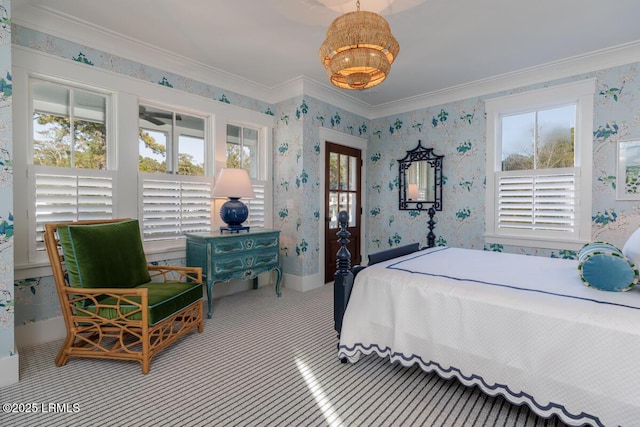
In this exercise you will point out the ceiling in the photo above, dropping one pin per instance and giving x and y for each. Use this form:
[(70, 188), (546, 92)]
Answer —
[(267, 43)]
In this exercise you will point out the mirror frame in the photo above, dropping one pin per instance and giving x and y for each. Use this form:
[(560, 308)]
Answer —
[(420, 154)]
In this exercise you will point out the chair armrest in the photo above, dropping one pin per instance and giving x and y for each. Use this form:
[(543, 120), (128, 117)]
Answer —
[(171, 273), (131, 292), (89, 303)]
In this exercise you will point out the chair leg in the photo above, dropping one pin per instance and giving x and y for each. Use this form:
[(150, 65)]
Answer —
[(201, 322), (63, 354), (62, 357), (146, 365)]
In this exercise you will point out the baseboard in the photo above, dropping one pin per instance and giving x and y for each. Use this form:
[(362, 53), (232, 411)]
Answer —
[(9, 369), (35, 333), (302, 283)]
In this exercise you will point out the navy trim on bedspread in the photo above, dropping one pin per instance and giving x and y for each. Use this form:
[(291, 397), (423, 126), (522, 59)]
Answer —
[(492, 390), (394, 266)]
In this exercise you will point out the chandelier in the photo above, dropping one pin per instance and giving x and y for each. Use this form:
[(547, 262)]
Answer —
[(359, 50)]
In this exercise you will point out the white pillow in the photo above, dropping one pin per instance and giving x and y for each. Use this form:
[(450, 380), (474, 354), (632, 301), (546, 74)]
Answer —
[(631, 249)]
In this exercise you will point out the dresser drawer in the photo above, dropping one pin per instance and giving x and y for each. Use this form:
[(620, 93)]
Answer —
[(250, 259), (229, 246), (264, 242)]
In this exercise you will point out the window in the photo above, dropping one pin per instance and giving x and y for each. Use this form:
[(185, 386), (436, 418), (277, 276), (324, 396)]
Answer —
[(539, 151), (71, 168), (96, 150), (243, 151), (175, 193)]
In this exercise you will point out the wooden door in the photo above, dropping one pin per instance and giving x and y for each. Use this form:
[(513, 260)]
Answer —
[(342, 192)]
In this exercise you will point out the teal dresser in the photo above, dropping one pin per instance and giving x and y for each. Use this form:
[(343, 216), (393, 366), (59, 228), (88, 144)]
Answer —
[(240, 256)]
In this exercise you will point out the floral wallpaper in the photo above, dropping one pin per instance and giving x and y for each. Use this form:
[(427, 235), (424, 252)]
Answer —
[(297, 177), (455, 130), (7, 300), (36, 40)]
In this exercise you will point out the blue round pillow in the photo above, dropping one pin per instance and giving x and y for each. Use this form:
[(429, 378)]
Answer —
[(603, 266)]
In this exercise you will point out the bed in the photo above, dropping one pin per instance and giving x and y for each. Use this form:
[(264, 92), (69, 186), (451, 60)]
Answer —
[(520, 326)]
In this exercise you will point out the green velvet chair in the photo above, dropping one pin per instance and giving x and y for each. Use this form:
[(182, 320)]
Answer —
[(115, 305)]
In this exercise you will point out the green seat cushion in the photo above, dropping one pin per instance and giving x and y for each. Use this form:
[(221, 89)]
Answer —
[(104, 255), (165, 299)]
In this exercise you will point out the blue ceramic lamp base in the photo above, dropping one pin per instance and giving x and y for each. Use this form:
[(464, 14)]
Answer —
[(233, 212)]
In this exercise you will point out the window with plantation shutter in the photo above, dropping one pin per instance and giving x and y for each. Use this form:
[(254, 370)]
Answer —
[(172, 206), (100, 146), (70, 176), (539, 161), (174, 191), (245, 150), (67, 194)]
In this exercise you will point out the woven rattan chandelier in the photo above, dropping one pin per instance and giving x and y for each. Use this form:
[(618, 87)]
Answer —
[(359, 50)]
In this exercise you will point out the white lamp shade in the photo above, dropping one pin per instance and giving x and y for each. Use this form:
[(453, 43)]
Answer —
[(233, 183)]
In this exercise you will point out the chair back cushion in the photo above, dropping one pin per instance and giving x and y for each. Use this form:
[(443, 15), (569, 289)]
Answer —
[(104, 255)]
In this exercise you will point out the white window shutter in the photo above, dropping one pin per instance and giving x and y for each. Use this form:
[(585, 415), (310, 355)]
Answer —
[(542, 201), (67, 194), (256, 206), (173, 206)]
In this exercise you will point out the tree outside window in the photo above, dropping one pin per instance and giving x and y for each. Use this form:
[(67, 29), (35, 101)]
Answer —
[(541, 139)]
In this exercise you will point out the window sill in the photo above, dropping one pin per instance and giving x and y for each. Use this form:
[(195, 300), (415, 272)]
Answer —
[(534, 242)]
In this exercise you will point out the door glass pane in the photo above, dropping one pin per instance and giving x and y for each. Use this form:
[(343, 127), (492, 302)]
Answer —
[(351, 197), (343, 206), (344, 170), (353, 178), (333, 171), (333, 209)]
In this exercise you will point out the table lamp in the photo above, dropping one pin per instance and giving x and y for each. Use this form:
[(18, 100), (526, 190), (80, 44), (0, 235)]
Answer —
[(234, 184)]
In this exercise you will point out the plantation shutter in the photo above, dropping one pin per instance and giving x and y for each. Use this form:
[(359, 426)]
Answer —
[(256, 206), (172, 207), (68, 194), (542, 201)]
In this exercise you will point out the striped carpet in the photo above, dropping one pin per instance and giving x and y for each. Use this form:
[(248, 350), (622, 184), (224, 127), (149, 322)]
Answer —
[(261, 361)]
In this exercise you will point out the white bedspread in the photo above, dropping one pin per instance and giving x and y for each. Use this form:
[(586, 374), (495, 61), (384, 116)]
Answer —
[(521, 326)]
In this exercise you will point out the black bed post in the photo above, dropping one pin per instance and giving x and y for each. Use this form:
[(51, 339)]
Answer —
[(343, 277), (431, 236)]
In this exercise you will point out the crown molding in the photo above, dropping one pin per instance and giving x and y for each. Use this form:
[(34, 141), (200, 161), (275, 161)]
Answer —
[(55, 23), (305, 86), (50, 21), (590, 62)]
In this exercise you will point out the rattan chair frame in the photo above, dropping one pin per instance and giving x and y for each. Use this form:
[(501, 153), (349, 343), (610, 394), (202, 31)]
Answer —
[(90, 334)]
